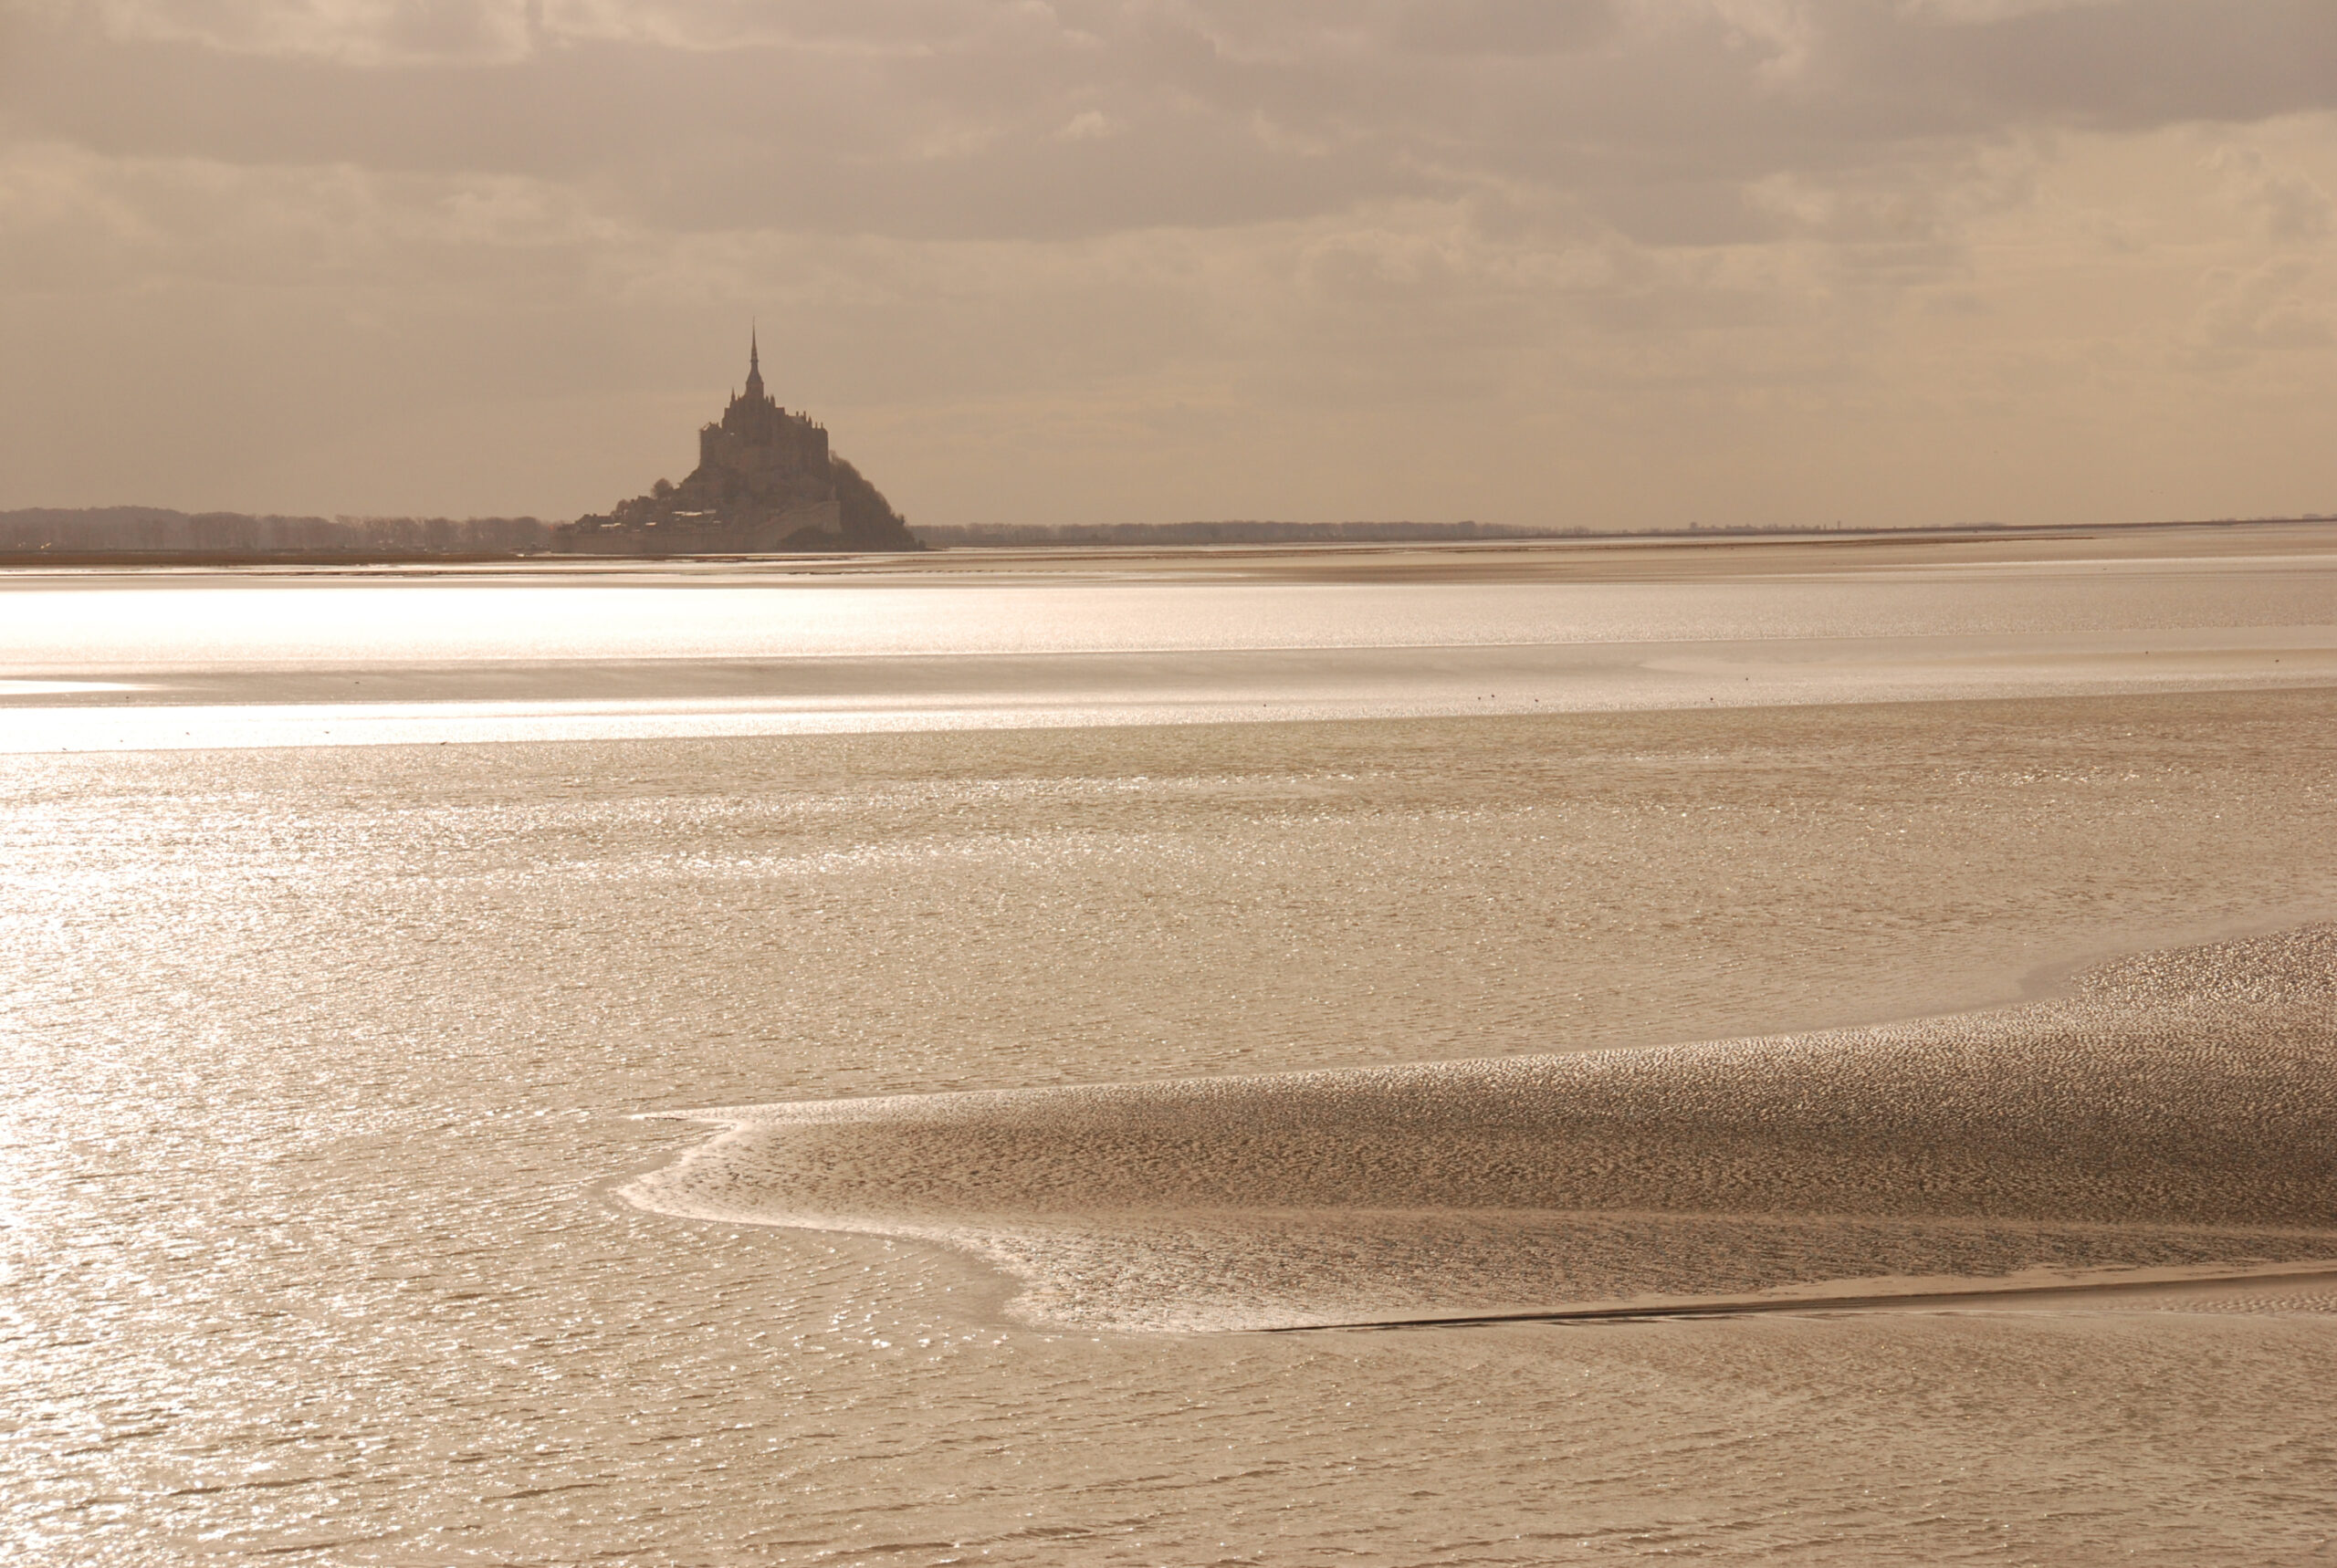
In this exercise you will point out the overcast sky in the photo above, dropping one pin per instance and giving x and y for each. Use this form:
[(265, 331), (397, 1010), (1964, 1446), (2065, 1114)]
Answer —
[(1570, 262)]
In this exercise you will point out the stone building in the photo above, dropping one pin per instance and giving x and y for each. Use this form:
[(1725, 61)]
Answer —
[(765, 481)]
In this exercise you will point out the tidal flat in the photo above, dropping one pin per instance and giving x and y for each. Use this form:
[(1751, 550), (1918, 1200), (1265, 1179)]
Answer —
[(1210, 951)]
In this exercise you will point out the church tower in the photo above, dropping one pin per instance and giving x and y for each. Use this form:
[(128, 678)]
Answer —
[(754, 367)]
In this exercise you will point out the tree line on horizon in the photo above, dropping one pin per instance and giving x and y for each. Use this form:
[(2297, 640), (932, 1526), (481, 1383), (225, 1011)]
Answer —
[(161, 531)]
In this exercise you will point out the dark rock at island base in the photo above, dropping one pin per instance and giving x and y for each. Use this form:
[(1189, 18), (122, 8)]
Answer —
[(869, 520), (765, 482)]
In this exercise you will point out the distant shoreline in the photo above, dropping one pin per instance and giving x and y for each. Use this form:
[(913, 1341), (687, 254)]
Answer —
[(353, 542)]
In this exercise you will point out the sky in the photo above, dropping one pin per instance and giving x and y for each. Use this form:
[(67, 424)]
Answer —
[(1545, 263)]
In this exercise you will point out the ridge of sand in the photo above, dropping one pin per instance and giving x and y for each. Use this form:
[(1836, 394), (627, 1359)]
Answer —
[(2173, 1111)]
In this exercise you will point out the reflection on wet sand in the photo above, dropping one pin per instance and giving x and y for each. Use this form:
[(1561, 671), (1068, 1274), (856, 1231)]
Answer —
[(123, 661), (325, 1061)]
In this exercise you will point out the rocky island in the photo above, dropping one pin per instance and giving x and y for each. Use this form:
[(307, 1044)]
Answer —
[(765, 481)]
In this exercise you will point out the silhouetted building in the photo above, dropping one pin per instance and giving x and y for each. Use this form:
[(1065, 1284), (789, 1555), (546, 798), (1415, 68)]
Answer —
[(765, 481)]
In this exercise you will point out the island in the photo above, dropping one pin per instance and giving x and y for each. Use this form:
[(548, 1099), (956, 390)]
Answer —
[(765, 482)]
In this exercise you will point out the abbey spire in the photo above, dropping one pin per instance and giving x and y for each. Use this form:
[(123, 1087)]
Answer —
[(754, 366)]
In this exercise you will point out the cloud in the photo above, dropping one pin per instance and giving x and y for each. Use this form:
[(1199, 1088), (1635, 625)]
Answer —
[(353, 32), (1400, 249), (2275, 306), (946, 118), (2286, 203), (1984, 11)]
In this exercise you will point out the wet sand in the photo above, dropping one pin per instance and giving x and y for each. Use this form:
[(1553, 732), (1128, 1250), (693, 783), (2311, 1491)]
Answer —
[(329, 1061), (2278, 1289), (2172, 1113)]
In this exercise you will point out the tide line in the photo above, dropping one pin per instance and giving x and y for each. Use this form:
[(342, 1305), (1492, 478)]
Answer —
[(1689, 1309)]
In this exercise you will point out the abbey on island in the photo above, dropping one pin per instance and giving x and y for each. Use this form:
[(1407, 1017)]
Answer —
[(765, 480)]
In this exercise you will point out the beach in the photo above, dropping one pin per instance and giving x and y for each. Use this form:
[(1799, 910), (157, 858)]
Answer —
[(1828, 1048)]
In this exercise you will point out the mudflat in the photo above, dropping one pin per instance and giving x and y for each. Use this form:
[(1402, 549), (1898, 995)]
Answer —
[(1904, 1106), (2171, 1113)]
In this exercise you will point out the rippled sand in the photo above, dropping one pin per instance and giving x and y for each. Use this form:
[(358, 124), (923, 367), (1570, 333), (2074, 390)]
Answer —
[(326, 1064), (2171, 1113)]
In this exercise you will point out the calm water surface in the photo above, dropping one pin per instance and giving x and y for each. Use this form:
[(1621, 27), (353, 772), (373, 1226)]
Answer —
[(128, 661)]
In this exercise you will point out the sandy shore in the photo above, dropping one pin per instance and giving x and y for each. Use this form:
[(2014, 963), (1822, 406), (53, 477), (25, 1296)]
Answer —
[(2171, 1113)]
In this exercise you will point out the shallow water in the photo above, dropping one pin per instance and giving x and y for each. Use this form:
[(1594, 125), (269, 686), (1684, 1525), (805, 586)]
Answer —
[(100, 661), (327, 1064)]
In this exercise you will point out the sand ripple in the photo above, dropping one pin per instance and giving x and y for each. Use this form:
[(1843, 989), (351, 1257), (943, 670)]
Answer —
[(2174, 1112)]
